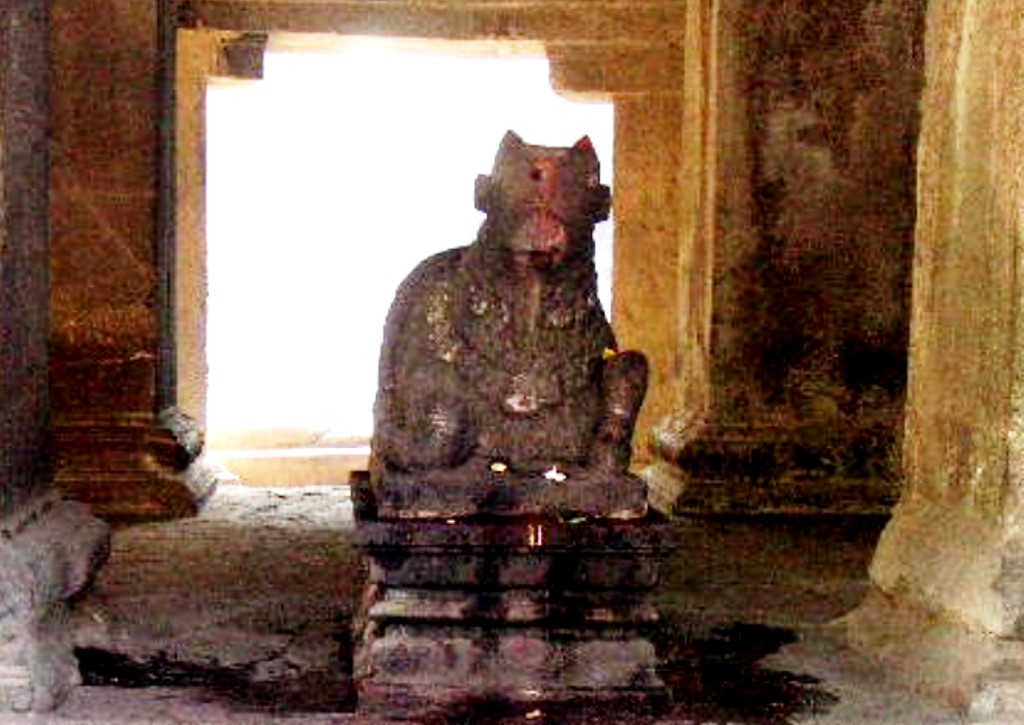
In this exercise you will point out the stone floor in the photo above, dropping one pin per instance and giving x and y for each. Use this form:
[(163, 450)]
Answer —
[(242, 615)]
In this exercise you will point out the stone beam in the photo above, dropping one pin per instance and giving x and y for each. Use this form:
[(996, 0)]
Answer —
[(602, 70), (241, 56), (658, 23)]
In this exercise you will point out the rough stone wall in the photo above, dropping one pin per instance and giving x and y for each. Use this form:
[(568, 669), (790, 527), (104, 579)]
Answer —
[(812, 128), (833, 95)]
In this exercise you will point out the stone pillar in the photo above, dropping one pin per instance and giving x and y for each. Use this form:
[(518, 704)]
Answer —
[(648, 265), (47, 546), (657, 284), (795, 241), (947, 611), (119, 445)]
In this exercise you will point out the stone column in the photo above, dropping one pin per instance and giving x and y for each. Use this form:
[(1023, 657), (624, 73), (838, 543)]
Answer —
[(795, 234), (120, 446), (947, 610), (656, 291), (47, 546)]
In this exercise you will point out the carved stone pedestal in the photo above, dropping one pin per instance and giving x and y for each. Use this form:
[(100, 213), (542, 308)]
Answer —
[(521, 611)]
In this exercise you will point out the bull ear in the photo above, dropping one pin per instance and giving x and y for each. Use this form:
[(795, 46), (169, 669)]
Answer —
[(510, 143), (585, 145), (482, 193), (602, 203)]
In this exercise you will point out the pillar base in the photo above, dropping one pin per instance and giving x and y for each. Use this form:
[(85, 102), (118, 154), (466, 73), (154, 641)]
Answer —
[(969, 669), (47, 554), (704, 468), (132, 466)]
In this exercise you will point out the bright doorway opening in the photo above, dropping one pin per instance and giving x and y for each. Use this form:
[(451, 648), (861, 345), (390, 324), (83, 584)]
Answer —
[(327, 182)]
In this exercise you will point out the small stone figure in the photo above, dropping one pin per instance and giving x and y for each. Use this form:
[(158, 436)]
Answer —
[(500, 388)]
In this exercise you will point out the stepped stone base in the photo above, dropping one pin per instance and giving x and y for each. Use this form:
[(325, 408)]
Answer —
[(132, 466), (706, 468), (517, 611)]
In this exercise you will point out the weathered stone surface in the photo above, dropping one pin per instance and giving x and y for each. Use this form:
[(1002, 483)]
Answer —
[(539, 553), (776, 468), (255, 593), (44, 559), (515, 610), (812, 166), (131, 466), (511, 606), (515, 665), (952, 551), (24, 283), (474, 490)]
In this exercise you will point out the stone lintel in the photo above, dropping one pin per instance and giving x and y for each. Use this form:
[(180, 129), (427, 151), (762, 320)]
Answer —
[(241, 56), (47, 555), (654, 22), (615, 69)]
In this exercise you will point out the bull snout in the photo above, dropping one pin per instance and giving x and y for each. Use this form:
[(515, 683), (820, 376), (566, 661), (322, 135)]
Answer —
[(542, 240)]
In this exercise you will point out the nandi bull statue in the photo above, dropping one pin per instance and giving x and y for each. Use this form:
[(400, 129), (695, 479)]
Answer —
[(501, 390)]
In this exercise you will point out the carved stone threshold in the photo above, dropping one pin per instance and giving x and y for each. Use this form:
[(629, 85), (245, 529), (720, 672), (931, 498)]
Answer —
[(704, 468), (47, 554)]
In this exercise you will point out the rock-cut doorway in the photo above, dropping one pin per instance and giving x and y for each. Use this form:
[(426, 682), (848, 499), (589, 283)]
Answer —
[(327, 180)]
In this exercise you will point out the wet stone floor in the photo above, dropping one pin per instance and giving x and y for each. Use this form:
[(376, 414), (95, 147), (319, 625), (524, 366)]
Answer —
[(244, 614), (713, 680)]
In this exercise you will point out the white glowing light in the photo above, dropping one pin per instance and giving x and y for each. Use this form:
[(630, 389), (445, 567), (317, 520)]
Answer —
[(307, 171)]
